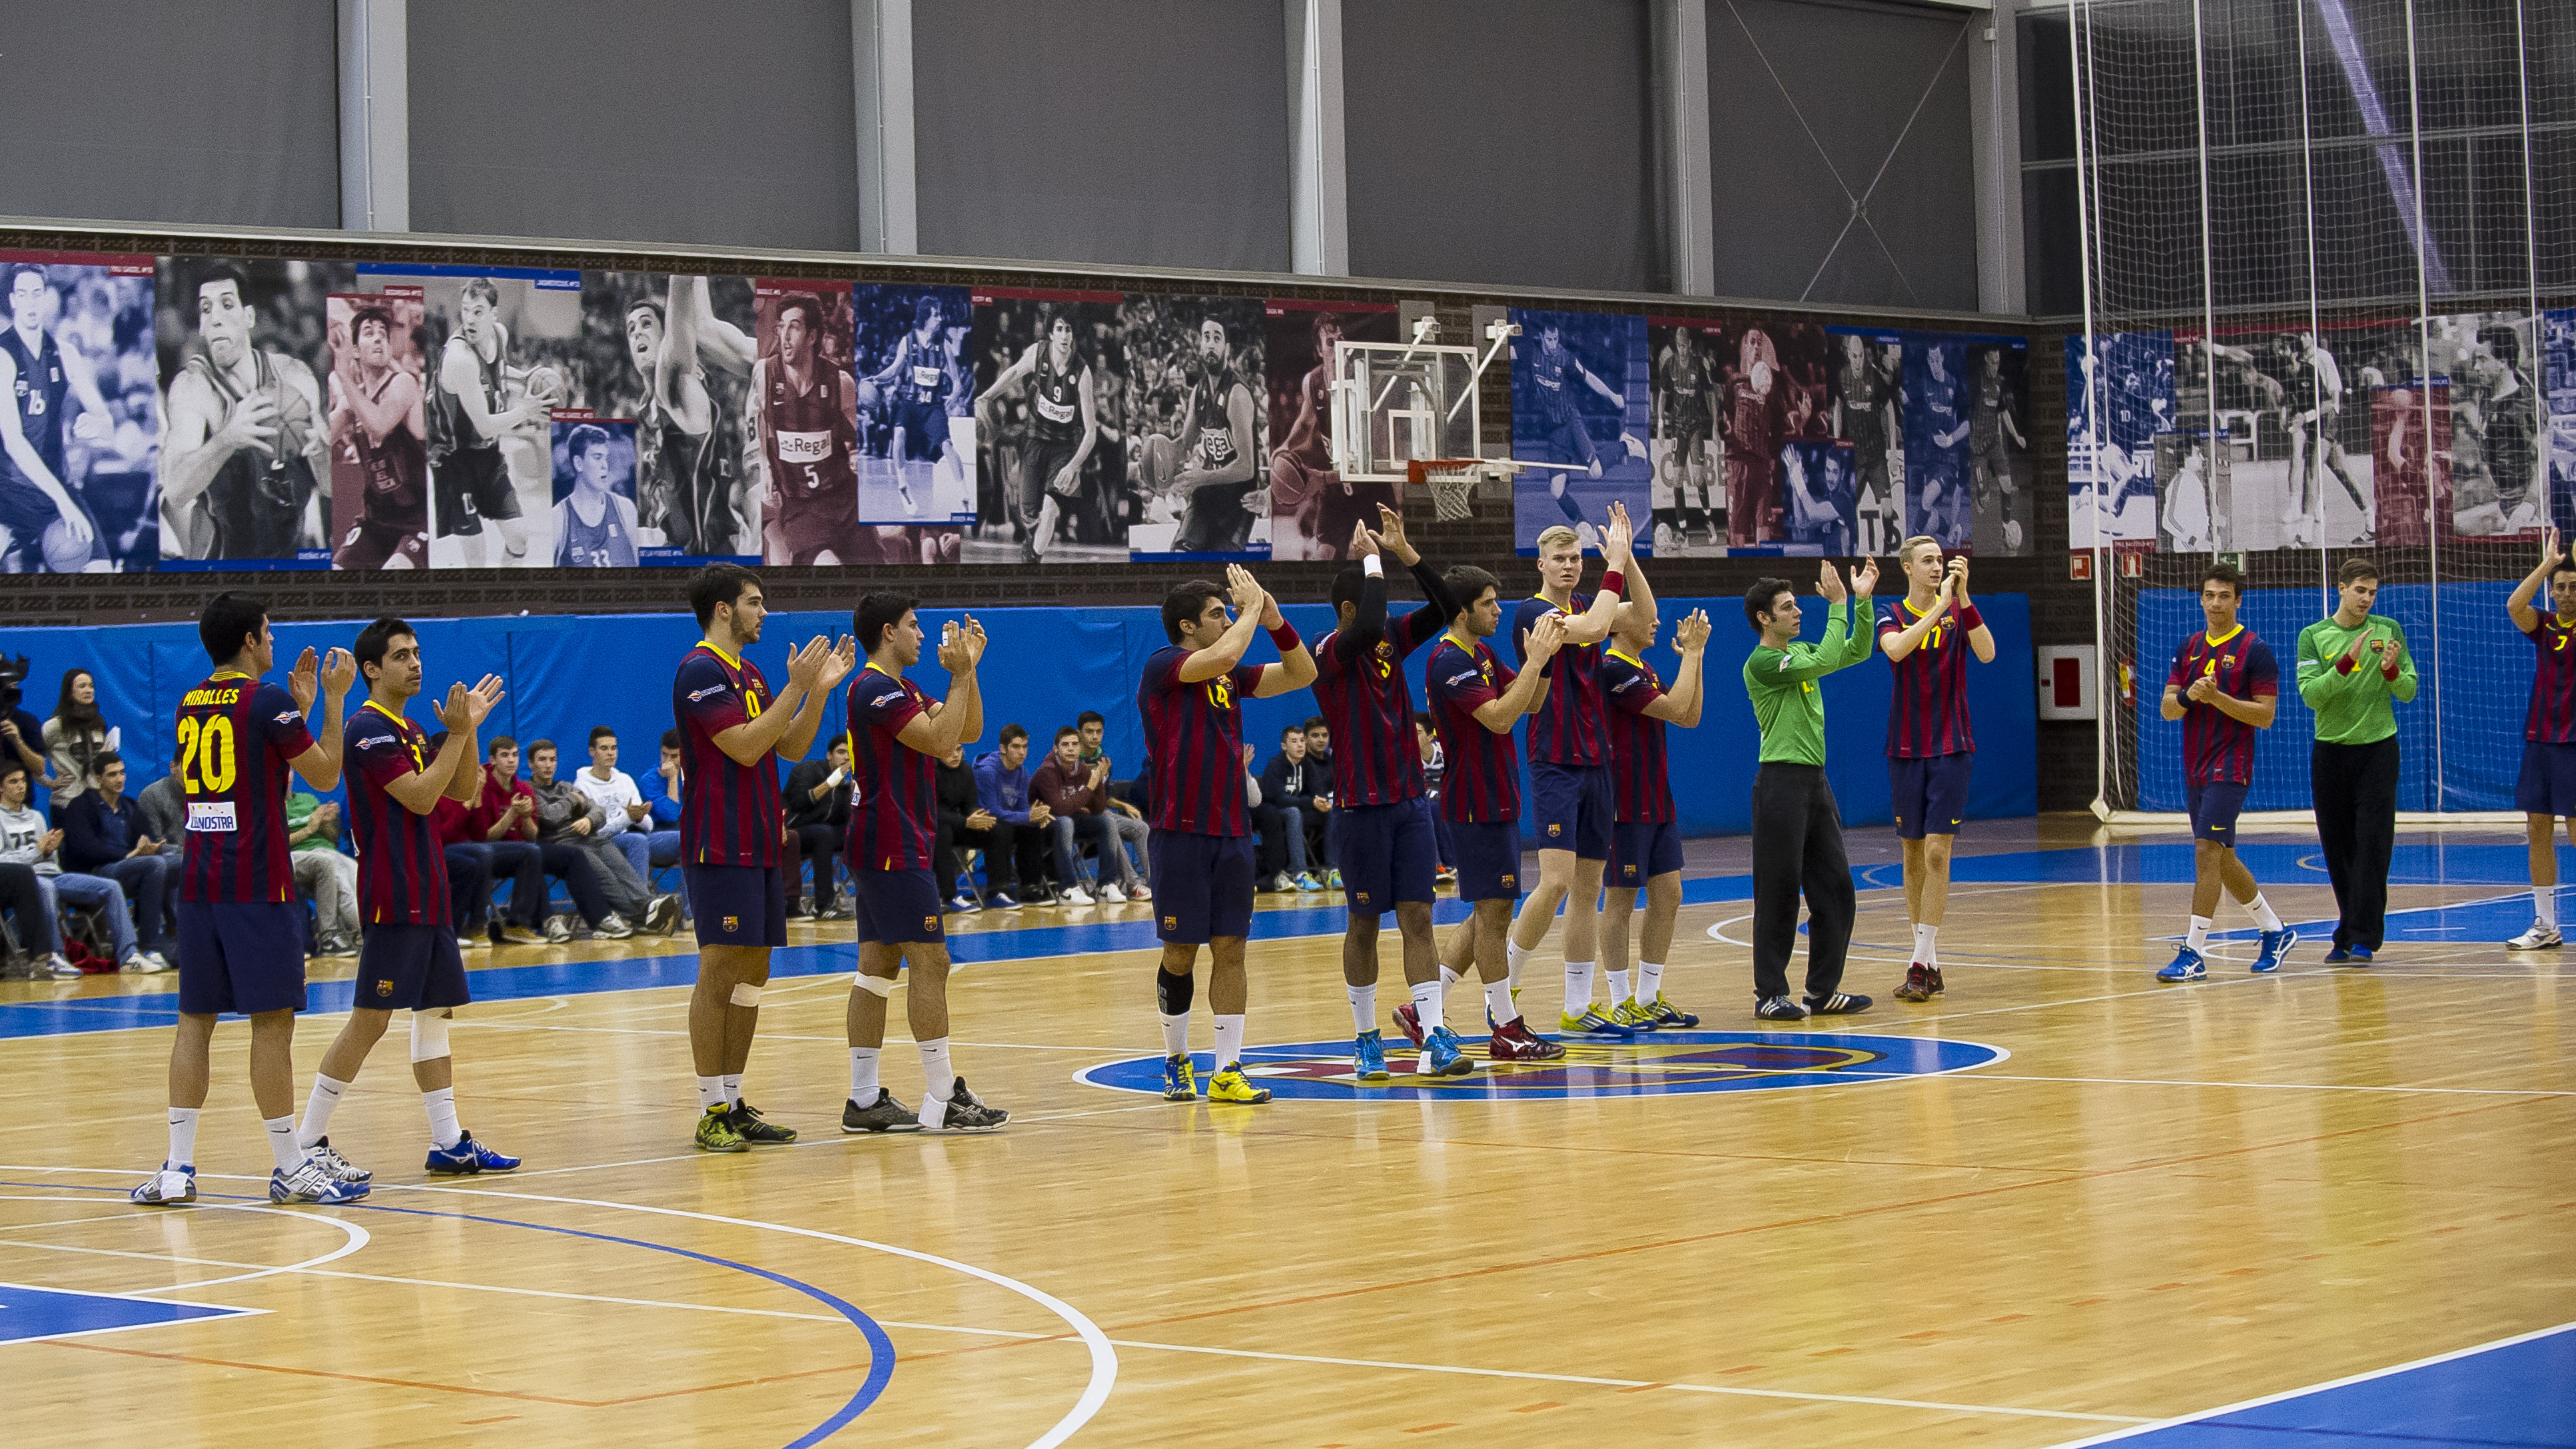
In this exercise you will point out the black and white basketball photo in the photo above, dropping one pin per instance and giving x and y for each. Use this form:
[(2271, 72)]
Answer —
[(1050, 395), (674, 353), (1312, 506), (379, 419), (1688, 489), (916, 401), (1197, 427), (80, 428)]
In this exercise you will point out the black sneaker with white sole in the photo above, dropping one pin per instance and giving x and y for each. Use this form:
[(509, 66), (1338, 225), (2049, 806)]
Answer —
[(1780, 1008), (1838, 1004), (885, 1114), (966, 1112)]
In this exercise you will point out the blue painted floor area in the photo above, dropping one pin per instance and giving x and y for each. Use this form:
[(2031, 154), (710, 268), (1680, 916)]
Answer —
[(2513, 1396), (31, 1313)]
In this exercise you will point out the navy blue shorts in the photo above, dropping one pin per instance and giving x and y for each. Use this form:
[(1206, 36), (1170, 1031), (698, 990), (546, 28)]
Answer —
[(1489, 859), (1642, 850), (240, 956), (897, 907), (1202, 886), (2547, 785), (738, 905), (1573, 808), (1387, 854), (2214, 808), (405, 967), (1930, 793)]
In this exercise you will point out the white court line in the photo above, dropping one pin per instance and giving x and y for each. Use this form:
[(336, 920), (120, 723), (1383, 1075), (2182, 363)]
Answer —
[(2361, 1378)]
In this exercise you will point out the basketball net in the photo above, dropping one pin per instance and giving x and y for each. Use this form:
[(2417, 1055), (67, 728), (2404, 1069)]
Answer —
[(1452, 482)]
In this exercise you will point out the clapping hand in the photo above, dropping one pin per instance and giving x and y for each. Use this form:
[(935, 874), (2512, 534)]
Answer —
[(1865, 578), (1243, 589), (1544, 637), (465, 708), (1829, 583), (1692, 635)]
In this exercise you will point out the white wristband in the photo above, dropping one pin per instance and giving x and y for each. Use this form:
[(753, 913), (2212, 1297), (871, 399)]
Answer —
[(1372, 567)]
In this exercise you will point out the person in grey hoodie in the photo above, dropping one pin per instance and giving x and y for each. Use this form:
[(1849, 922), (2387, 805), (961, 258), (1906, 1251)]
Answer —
[(566, 816)]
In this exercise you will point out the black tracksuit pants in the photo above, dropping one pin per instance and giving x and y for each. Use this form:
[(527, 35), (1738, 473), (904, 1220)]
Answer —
[(1798, 849), (2355, 787)]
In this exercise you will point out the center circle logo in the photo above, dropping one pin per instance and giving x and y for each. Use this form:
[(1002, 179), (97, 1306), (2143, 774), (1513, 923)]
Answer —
[(1663, 1064)]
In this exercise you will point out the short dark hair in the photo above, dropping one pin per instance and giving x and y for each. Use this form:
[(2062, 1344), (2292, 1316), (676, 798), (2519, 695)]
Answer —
[(377, 315), (718, 583), (877, 613), (2223, 572), (670, 739), (228, 624), (222, 272), (36, 267), (601, 732), (1346, 587), (1185, 603), (1292, 729), (376, 640), (438, 739), (926, 307), (2355, 569), (1090, 716), (812, 304), (542, 747), (1467, 583), (99, 767), (11, 765), (498, 743), (1315, 722), (1064, 730), (1009, 733), (482, 287), (585, 438), (1761, 597)]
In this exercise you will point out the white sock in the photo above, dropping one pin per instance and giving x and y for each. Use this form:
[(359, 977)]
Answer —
[(442, 1117), (2198, 940), (940, 1082), (1363, 1006), (1618, 986), (1514, 956), (281, 1143), (1578, 987), (317, 1109), (1229, 1041), (1430, 1004), (1925, 950), (733, 1089), (1498, 1003), (183, 1136), (2544, 905), (1650, 982), (711, 1092), (1448, 977), (863, 1075), (1176, 1034), (2264, 915)]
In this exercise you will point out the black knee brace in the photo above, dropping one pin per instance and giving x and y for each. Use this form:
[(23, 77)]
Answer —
[(1174, 993)]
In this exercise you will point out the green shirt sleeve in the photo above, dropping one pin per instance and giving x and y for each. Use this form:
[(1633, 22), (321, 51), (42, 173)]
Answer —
[(2317, 678), (1842, 647)]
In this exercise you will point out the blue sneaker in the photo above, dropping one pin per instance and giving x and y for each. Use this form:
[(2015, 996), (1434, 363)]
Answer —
[(311, 1182), (2339, 955), (1591, 1023), (174, 1184), (1003, 901), (2363, 955), (467, 1157), (2186, 966), (1180, 1078), (2276, 946), (1368, 1057), (1442, 1056), (963, 902)]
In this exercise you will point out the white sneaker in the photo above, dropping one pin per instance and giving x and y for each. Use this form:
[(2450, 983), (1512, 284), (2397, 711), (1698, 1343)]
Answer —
[(2539, 938), (613, 926), (60, 967), (1076, 896), (1114, 893), (144, 963), (558, 930)]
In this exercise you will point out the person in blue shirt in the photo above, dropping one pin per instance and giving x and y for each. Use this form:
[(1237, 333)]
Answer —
[(1018, 856), (104, 834)]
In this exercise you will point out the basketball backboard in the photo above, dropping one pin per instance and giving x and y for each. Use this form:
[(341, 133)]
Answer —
[(1397, 401)]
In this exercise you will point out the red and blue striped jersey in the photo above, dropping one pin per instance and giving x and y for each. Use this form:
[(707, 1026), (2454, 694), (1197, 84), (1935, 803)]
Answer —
[(234, 738), (1569, 726), (1194, 738), (2552, 717), (1370, 707), (1928, 713), (1638, 766), (402, 870), (1483, 779), (894, 788), (2215, 748), (729, 813)]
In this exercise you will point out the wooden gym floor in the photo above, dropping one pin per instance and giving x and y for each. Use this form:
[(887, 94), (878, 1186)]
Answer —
[(2060, 1201)]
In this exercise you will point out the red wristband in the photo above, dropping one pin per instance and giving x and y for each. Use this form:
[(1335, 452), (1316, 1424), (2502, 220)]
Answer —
[(1285, 636), (1614, 582), (2344, 665), (2388, 671), (1969, 618)]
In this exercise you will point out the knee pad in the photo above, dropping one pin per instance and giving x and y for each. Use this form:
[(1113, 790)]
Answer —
[(745, 994), (428, 1036), (1175, 993), (877, 986)]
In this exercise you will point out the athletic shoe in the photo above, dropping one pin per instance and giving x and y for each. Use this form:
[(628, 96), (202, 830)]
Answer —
[(662, 916), (2363, 955), (1368, 1057), (1004, 901), (1917, 986), (1669, 1016), (340, 946), (715, 1131), (1074, 896), (1513, 1041), (463, 943), (1634, 1017), (2338, 956), (1332, 880), (1493, 1025), (1140, 892), (613, 926), (1446, 875), (558, 930), (2538, 938), (836, 911), (1932, 978), (967, 1112), (1591, 1023), (143, 963), (2185, 966), (1231, 1085), (466, 1158), (1442, 1056), (886, 1114), (1306, 882), (60, 967), (312, 1182), (1839, 1004), (904, 492), (745, 1119), (515, 935), (169, 1187), (340, 1168), (1780, 1008), (1278, 884), (1409, 1021), (964, 903), (1180, 1079), (2276, 947)]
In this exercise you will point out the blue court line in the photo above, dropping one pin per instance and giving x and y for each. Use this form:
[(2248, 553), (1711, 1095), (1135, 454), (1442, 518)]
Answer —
[(881, 1356), (2512, 1394), (2159, 862)]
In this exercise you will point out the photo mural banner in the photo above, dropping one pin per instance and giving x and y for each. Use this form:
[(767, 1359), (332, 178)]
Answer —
[(1580, 412), (80, 414), (1312, 507)]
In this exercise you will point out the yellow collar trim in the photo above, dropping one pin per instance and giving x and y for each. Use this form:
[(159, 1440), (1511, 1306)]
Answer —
[(718, 650)]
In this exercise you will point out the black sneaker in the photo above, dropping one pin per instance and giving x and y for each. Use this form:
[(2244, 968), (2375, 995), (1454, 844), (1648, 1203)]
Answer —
[(1780, 1008), (1838, 1004), (886, 1114), (967, 1112), (746, 1121)]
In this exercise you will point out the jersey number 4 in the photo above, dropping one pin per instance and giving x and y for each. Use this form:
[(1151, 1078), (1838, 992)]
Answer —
[(206, 763)]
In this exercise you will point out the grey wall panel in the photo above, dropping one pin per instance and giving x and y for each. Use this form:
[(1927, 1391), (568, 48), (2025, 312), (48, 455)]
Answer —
[(156, 110), (1506, 141), (647, 121), (1802, 92), (1148, 132)]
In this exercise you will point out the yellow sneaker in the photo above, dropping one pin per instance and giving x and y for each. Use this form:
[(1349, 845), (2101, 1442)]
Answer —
[(1231, 1085), (1634, 1017), (716, 1131), (1593, 1024)]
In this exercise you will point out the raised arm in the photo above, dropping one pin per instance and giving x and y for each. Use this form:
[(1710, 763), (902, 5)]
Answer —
[(1681, 705), (825, 669), (2518, 604), (936, 731), (1368, 623), (1205, 664), (1296, 667), (1529, 689), (1594, 624), (320, 765), (453, 768)]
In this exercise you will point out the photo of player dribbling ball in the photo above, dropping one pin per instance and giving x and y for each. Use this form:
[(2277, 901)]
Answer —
[(79, 414), (1865, 383), (805, 415), (1050, 374), (674, 353), (916, 398), (595, 522), (379, 429), (1579, 404), (1312, 506), (1689, 492), (245, 447), (1198, 436)]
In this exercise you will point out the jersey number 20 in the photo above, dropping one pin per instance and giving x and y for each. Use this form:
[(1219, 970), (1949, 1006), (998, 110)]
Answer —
[(205, 755)]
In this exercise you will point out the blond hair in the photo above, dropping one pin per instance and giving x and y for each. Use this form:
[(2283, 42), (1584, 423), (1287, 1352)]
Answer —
[(1556, 533), (1905, 550)]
